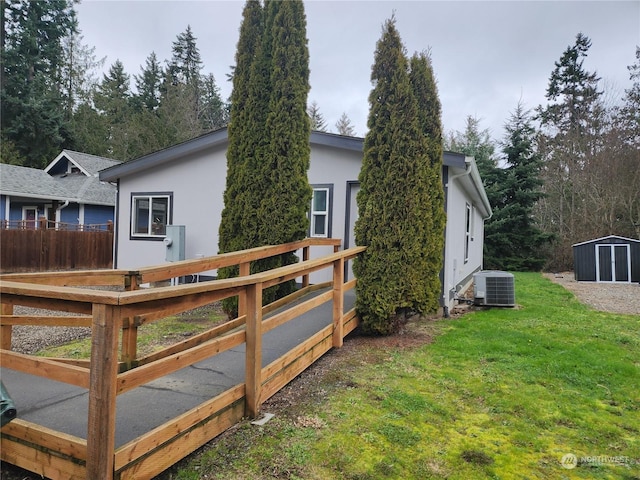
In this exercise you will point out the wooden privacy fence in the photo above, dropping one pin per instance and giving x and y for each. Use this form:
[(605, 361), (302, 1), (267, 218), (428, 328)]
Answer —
[(42, 249), (113, 370)]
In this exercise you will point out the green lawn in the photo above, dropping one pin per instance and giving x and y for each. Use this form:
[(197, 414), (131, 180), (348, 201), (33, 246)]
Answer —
[(499, 393)]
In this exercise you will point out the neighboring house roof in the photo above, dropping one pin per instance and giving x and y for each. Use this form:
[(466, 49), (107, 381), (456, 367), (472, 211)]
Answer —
[(55, 183), (88, 164), (31, 182)]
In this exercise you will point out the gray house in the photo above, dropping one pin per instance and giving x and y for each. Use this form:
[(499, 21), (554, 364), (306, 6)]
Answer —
[(184, 185), (67, 192)]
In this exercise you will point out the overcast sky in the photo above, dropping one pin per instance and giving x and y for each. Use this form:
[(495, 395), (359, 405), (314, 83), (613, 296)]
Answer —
[(486, 55)]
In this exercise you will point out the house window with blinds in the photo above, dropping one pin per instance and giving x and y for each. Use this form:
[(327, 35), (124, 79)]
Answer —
[(150, 214)]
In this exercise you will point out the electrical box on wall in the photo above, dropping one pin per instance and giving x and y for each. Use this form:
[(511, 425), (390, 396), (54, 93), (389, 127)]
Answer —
[(175, 243)]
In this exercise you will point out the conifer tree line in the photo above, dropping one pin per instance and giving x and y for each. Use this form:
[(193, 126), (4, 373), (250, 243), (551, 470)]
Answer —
[(52, 98), (565, 172)]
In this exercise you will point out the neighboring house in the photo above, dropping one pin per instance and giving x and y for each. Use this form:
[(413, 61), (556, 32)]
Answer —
[(184, 185), (67, 192)]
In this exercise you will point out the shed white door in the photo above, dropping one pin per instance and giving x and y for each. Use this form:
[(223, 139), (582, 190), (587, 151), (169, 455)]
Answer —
[(613, 263)]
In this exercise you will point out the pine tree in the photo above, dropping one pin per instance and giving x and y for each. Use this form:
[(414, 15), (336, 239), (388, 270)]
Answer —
[(213, 112), (31, 100), (113, 102), (429, 115), (148, 84), (572, 131), (513, 241), (344, 126), (393, 198), (316, 118)]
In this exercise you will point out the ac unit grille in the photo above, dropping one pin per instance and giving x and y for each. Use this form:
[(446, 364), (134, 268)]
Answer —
[(500, 291), (494, 288)]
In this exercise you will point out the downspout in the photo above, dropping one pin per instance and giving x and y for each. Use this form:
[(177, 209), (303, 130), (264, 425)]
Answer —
[(58, 212)]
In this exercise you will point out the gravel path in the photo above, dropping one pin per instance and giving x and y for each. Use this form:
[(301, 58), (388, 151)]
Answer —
[(27, 339), (606, 297)]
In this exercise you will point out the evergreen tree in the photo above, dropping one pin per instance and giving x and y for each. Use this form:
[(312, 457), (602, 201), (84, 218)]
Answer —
[(233, 231), (113, 102), (572, 133), (393, 198), (429, 115), (344, 126), (186, 64), (32, 104), (513, 241), (148, 84), (213, 112), (267, 193), (284, 164), (316, 118)]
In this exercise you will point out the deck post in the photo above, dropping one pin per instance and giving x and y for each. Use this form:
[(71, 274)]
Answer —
[(101, 431), (338, 302), (129, 350), (6, 330), (244, 270), (305, 257), (253, 362)]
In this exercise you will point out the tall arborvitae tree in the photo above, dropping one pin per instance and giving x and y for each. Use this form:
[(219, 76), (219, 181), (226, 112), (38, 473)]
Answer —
[(31, 100), (394, 197), (283, 167), (267, 193), (513, 241), (316, 118), (344, 126), (429, 115), (233, 227)]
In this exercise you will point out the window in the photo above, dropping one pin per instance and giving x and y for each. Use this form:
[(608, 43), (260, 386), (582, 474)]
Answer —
[(150, 214), (467, 234), (320, 211)]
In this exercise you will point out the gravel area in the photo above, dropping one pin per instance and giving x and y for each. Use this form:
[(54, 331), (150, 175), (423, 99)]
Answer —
[(606, 297), (28, 339)]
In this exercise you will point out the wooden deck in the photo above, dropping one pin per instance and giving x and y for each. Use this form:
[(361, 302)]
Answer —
[(135, 417)]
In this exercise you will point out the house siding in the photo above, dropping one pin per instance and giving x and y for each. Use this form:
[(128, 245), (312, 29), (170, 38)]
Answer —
[(197, 204)]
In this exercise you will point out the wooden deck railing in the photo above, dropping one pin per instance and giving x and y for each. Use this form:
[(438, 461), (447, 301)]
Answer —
[(113, 370)]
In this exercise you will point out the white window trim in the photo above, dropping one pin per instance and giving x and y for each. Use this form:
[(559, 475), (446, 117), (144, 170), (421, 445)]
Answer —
[(328, 188), (467, 232), (150, 197)]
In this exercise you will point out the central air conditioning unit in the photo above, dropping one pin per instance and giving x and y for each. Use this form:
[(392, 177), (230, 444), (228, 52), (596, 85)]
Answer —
[(494, 288)]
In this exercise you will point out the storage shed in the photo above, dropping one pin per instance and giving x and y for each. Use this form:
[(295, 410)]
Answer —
[(607, 259)]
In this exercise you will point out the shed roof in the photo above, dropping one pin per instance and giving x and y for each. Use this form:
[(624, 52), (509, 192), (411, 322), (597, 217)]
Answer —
[(632, 240)]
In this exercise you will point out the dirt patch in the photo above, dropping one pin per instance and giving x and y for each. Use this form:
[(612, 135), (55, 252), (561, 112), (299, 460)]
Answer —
[(607, 297)]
